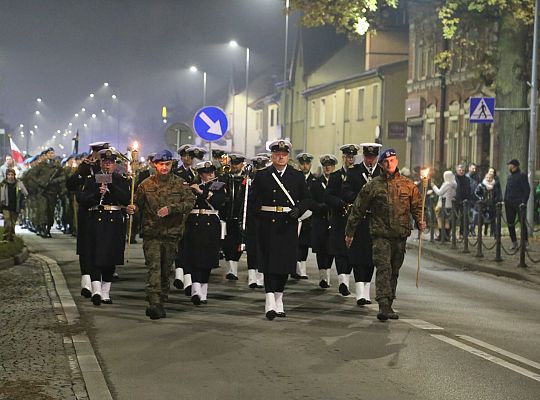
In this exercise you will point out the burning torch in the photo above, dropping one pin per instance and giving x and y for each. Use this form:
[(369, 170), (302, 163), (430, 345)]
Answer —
[(132, 168), (424, 175)]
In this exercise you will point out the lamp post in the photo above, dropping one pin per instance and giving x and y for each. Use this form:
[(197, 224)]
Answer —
[(234, 44), (285, 85)]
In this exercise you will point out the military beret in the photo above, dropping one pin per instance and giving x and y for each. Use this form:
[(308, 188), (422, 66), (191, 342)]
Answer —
[(196, 152), (280, 145), (386, 154), (97, 146), (305, 157), (237, 158), (370, 149), (163, 155), (328, 159), (182, 150), (205, 166), (349, 149), (513, 162)]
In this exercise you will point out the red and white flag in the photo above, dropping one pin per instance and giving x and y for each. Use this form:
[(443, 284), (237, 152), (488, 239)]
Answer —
[(15, 152)]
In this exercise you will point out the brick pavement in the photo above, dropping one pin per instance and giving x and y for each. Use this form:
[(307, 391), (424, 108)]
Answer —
[(37, 359)]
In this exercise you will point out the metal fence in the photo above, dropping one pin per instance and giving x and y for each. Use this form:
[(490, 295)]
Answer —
[(462, 215)]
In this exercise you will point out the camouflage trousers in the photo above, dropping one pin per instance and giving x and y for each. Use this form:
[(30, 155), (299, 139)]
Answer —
[(388, 255), (10, 219), (159, 257)]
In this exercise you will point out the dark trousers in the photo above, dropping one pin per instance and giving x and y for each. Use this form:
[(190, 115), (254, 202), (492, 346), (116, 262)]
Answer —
[(342, 265), (274, 282), (103, 273), (324, 261), (200, 275), (303, 253), (511, 213), (363, 273)]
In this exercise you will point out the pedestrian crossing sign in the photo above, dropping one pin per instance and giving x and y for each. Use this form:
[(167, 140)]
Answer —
[(482, 110)]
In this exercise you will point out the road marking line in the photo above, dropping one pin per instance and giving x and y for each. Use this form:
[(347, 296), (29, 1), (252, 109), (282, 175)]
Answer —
[(505, 353), (489, 357), (418, 323)]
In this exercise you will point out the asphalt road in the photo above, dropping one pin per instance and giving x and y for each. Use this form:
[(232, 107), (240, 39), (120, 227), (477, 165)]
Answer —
[(462, 335)]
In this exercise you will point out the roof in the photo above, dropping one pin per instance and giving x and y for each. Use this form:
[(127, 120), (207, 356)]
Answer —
[(380, 70)]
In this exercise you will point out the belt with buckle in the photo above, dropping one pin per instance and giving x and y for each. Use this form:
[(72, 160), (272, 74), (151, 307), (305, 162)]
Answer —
[(106, 207), (278, 209), (204, 211)]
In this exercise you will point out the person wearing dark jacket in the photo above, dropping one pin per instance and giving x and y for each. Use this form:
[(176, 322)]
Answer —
[(489, 193), (279, 195), (463, 192), (517, 192)]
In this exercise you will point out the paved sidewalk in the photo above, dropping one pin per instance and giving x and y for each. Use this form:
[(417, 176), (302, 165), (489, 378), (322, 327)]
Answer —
[(37, 360), (508, 267)]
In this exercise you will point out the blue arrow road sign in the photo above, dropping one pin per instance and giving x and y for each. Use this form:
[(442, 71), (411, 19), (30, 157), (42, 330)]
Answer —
[(482, 110), (210, 123)]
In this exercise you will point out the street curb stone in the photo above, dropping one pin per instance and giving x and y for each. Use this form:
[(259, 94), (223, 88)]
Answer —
[(96, 385), (15, 260)]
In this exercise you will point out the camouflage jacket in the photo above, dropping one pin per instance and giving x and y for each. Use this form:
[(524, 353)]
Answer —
[(392, 200), (154, 193)]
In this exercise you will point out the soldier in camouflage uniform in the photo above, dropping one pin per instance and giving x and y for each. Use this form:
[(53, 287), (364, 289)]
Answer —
[(36, 199), (51, 179), (392, 199), (164, 202)]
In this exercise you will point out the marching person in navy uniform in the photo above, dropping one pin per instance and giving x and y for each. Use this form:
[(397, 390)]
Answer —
[(88, 167), (188, 155), (232, 213), (280, 196), (106, 227), (203, 230), (338, 217), (360, 252), (320, 231), (255, 277), (304, 239)]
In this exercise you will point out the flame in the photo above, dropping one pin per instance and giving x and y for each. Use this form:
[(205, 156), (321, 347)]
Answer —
[(135, 145), (424, 173)]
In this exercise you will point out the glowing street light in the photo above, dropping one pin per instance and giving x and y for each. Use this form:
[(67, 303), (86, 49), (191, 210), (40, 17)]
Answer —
[(37, 112), (35, 126), (58, 131), (113, 97), (103, 111), (39, 100), (106, 84), (85, 125), (193, 68), (76, 115), (70, 124), (21, 125), (83, 109), (94, 116), (92, 95), (233, 43)]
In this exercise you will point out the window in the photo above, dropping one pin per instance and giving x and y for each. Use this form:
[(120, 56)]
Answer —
[(258, 120), (272, 114), (360, 111), (277, 115), (322, 112), (418, 59), (312, 119), (334, 108), (346, 107), (374, 110)]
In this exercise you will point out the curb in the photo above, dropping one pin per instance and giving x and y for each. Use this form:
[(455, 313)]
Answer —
[(469, 264), (15, 260), (96, 385)]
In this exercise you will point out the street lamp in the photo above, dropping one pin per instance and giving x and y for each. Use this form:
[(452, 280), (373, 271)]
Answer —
[(234, 44), (193, 68)]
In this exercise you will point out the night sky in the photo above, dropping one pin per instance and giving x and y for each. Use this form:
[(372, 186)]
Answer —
[(62, 50)]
